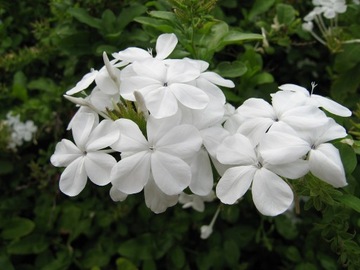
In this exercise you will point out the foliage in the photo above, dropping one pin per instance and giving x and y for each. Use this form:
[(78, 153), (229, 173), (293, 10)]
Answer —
[(47, 46)]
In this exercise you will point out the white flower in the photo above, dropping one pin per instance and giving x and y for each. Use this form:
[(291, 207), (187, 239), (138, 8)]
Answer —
[(330, 8), (84, 158), (323, 158), (258, 116), (163, 86), (165, 44), (308, 26), (271, 195), (162, 155), (317, 100), (196, 201)]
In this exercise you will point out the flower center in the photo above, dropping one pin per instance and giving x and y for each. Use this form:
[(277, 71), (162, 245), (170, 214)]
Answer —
[(165, 84)]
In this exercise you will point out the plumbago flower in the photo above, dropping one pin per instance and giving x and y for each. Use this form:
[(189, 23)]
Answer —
[(85, 159), (148, 123), (271, 143)]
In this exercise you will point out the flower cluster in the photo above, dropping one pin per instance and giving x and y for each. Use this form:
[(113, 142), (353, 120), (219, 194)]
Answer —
[(330, 32), (162, 126), (20, 132)]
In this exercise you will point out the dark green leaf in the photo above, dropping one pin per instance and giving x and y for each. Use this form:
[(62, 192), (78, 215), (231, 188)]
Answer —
[(83, 16), (17, 227), (259, 7), (125, 264), (235, 37), (285, 14), (32, 244), (350, 201), (348, 156), (231, 69), (19, 86)]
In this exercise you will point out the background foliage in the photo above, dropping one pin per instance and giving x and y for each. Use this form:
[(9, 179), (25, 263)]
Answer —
[(47, 46)]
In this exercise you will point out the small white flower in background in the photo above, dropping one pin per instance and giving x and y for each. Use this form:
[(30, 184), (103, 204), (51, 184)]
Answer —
[(207, 230), (330, 8), (20, 131), (195, 201)]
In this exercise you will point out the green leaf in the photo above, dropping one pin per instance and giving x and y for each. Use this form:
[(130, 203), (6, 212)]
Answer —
[(350, 201), (83, 16), (236, 37), (44, 84), (19, 86), (32, 244), (17, 227), (260, 6), (231, 96), (263, 77), (231, 252), (108, 21), (165, 15), (177, 257), (348, 156), (141, 247), (127, 15), (231, 69), (125, 264), (155, 23), (285, 227), (347, 58), (285, 14)]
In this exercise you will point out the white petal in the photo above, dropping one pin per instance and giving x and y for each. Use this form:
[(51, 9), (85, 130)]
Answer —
[(132, 54), (182, 141), (325, 163), (330, 132), (212, 138), (236, 149), (256, 107), (98, 167), (151, 68), (211, 90), (161, 102), (131, 174), (181, 72), (82, 126), (106, 83), (74, 178), (165, 44), (116, 195), (83, 83), (294, 88), (217, 79), (202, 177), (330, 106), (255, 128), (279, 148), (171, 174), (105, 134), (190, 96), (157, 200), (304, 117), (284, 101), (293, 170), (271, 195), (234, 183), (131, 139), (156, 128), (65, 153)]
